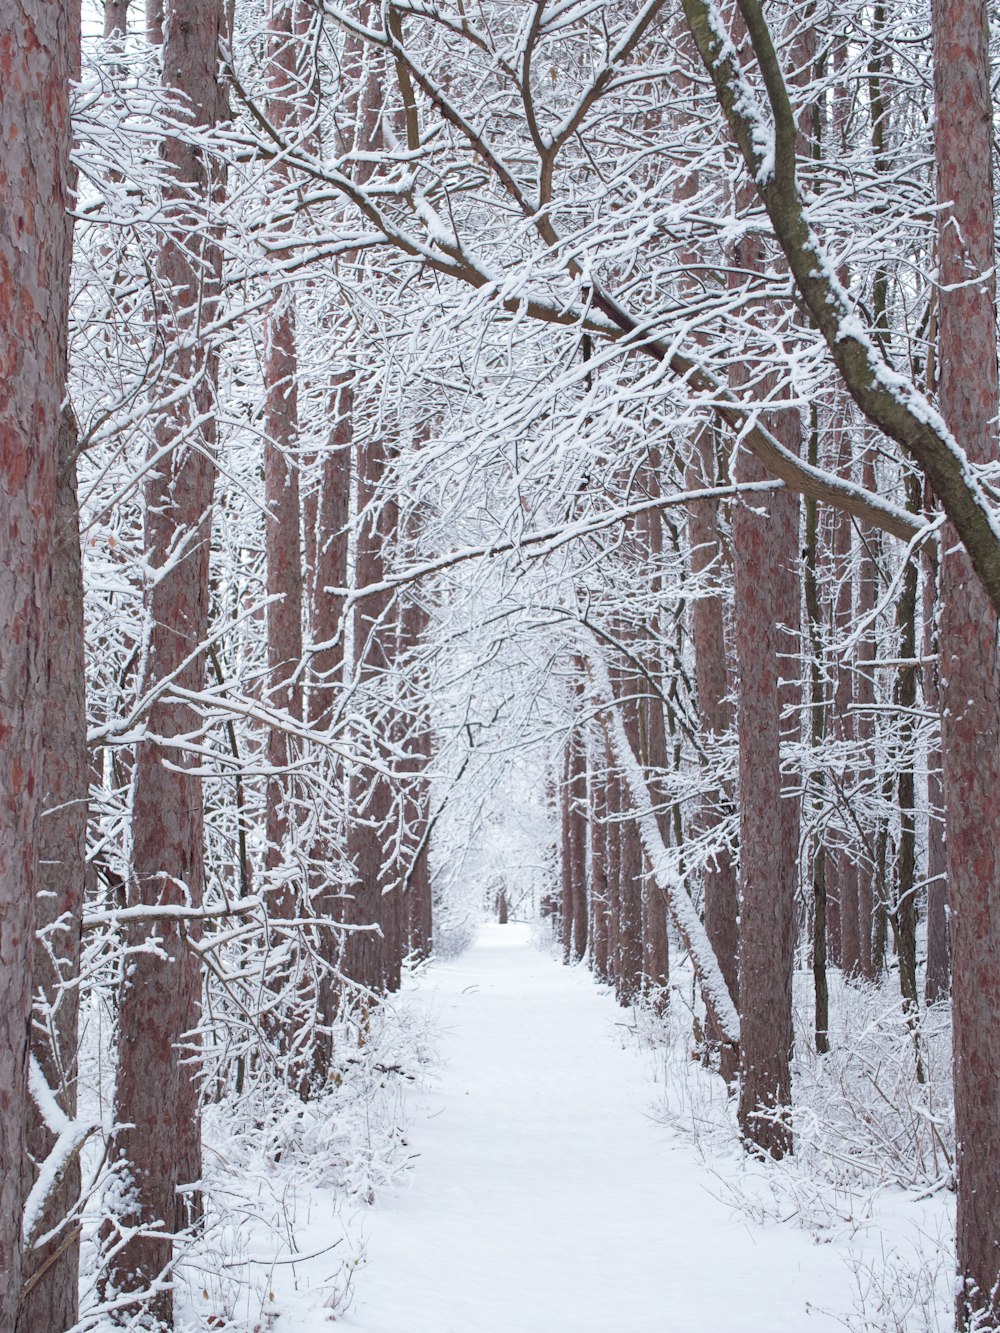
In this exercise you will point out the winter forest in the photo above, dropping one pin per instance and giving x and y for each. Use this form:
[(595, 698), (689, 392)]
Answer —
[(499, 682)]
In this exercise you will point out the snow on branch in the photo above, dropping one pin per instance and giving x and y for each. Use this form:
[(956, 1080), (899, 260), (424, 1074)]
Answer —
[(714, 990)]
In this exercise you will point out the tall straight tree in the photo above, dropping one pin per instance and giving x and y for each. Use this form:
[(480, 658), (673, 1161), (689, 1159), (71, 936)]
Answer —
[(51, 1266), (414, 622), (36, 55), (765, 551), (156, 1147), (281, 477), (970, 665), (712, 679), (372, 949)]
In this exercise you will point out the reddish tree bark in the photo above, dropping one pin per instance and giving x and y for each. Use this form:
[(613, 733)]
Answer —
[(575, 905), (417, 891), (372, 949), (567, 896), (50, 1274), (629, 687), (864, 699), (842, 873), (765, 549), (614, 857), (36, 56), (599, 867), (51, 1270), (712, 681), (937, 976), (157, 1147), (655, 942), (970, 671), (281, 484), (327, 511)]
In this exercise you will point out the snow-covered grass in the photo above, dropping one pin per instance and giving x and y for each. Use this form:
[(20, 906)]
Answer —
[(287, 1184), (874, 1146)]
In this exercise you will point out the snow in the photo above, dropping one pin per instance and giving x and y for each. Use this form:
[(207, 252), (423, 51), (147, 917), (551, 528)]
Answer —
[(686, 919), (544, 1196)]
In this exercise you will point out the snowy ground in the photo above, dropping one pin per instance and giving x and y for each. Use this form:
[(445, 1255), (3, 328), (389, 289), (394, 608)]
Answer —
[(544, 1197)]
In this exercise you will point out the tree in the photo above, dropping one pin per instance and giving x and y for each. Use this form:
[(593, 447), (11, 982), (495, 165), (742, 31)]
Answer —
[(970, 665), (281, 483), (36, 61), (156, 1145)]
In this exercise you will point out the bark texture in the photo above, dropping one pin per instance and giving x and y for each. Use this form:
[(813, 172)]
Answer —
[(970, 671), (417, 889), (51, 1270), (937, 977), (281, 491), (372, 948), (158, 1154), (599, 861), (713, 684), (36, 53), (765, 549)]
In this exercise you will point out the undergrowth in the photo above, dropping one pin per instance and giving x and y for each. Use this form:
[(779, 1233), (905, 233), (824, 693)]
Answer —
[(287, 1182), (872, 1167)]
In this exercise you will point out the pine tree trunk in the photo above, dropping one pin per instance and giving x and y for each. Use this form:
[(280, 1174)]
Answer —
[(568, 899), (904, 913), (655, 941), (36, 55), (157, 1150), (714, 688), (418, 898), (765, 551), (372, 950), (629, 687), (599, 856), (864, 699), (578, 827), (845, 860), (818, 786), (937, 976), (51, 1271), (281, 493), (970, 670), (327, 512)]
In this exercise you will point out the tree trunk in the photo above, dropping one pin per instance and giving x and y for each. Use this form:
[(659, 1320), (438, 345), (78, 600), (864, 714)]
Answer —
[(937, 977), (765, 550), (418, 897), (713, 684), (599, 859), (655, 941), (575, 939), (568, 898), (818, 786), (845, 860), (372, 949), (765, 547), (970, 671), (864, 698), (157, 1149), (628, 973), (36, 58), (51, 1271), (327, 512), (281, 495), (904, 912)]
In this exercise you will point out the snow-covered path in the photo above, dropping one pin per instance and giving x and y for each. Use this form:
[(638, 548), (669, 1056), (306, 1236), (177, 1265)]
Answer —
[(545, 1200)]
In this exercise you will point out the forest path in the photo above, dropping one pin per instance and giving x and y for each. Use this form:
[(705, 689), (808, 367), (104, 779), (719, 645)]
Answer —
[(546, 1200)]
